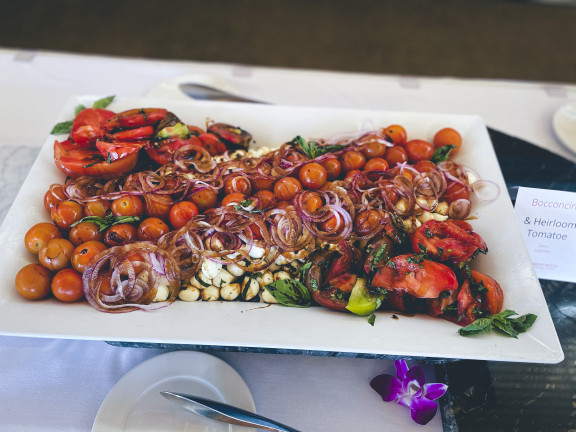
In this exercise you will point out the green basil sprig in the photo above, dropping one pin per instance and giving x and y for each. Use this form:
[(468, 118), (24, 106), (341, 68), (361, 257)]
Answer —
[(313, 150), (502, 323), (290, 292), (65, 127), (442, 154), (106, 222)]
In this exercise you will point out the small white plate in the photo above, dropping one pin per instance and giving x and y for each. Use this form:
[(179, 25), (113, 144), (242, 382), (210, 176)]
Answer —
[(564, 124), (135, 402)]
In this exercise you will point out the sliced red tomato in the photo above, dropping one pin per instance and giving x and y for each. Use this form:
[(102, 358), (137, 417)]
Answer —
[(481, 295), (133, 134), (87, 126), (136, 118), (332, 299), (75, 161), (112, 151), (415, 276), (452, 240), (163, 151)]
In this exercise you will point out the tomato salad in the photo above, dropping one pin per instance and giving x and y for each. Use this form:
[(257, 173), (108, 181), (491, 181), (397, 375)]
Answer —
[(153, 210)]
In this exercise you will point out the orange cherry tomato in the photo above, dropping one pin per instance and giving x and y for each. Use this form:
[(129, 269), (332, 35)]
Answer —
[(65, 213), (233, 198), (238, 184), (372, 145), (313, 175), (333, 168), (39, 235), (56, 254), (121, 234), (425, 166), (367, 221), (262, 183), (419, 150), (455, 191), (376, 164), (396, 155), (266, 199), (84, 252), (286, 188), (204, 199), (395, 133), (312, 201), (128, 205), (85, 231), (158, 205), (33, 282), (53, 196), (334, 225), (351, 174), (67, 286), (448, 136), (151, 229), (352, 160), (182, 212), (98, 208)]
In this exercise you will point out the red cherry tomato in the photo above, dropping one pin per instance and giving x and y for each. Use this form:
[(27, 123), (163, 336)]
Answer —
[(151, 229), (286, 188), (158, 205), (65, 213), (352, 160), (53, 196), (84, 252), (181, 213), (67, 286), (313, 175), (376, 164), (75, 162), (419, 150), (266, 199), (128, 205), (83, 232), (455, 191), (204, 199), (121, 234), (415, 276), (425, 166), (237, 184), (233, 199), (396, 155)]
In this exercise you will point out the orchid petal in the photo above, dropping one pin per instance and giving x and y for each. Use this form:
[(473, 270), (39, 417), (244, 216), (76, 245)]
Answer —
[(434, 390), (387, 386), (416, 373), (423, 410), (405, 400), (401, 368)]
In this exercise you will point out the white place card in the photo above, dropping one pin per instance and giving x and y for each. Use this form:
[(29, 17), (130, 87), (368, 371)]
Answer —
[(548, 222)]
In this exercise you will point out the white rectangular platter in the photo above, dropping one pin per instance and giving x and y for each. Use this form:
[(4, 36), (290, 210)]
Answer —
[(238, 324)]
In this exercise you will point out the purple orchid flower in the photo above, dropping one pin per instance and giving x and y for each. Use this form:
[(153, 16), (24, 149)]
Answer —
[(410, 389)]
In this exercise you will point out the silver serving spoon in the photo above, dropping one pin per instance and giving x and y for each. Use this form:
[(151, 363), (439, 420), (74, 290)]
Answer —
[(204, 92)]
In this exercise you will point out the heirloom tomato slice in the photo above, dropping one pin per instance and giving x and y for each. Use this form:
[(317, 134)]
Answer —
[(479, 295), (415, 276), (162, 151), (87, 126), (75, 161), (113, 151)]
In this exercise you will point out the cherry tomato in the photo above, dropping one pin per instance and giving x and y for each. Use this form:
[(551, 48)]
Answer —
[(158, 205), (396, 155), (395, 133), (333, 168), (76, 162), (53, 196), (351, 174), (334, 225), (451, 240), (233, 199), (262, 183), (376, 164), (425, 166), (313, 176), (84, 252), (121, 234), (181, 213), (352, 160), (162, 151), (98, 208), (67, 286), (266, 199), (128, 205), (83, 232), (312, 201), (372, 145), (65, 213), (88, 125), (205, 199), (39, 235), (56, 254), (367, 222), (238, 184), (419, 150), (455, 191), (151, 229), (448, 136), (33, 282), (415, 276), (286, 188)]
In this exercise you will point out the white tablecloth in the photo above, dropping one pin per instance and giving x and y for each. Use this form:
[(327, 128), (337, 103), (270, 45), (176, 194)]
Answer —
[(48, 384)]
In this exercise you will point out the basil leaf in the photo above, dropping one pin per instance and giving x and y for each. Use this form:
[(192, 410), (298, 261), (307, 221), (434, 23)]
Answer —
[(290, 292), (482, 325), (104, 102), (106, 222), (313, 150), (505, 328), (500, 322), (371, 319), (62, 128), (523, 323), (442, 153)]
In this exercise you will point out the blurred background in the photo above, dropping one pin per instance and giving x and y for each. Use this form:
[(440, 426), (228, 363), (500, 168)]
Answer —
[(501, 39)]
